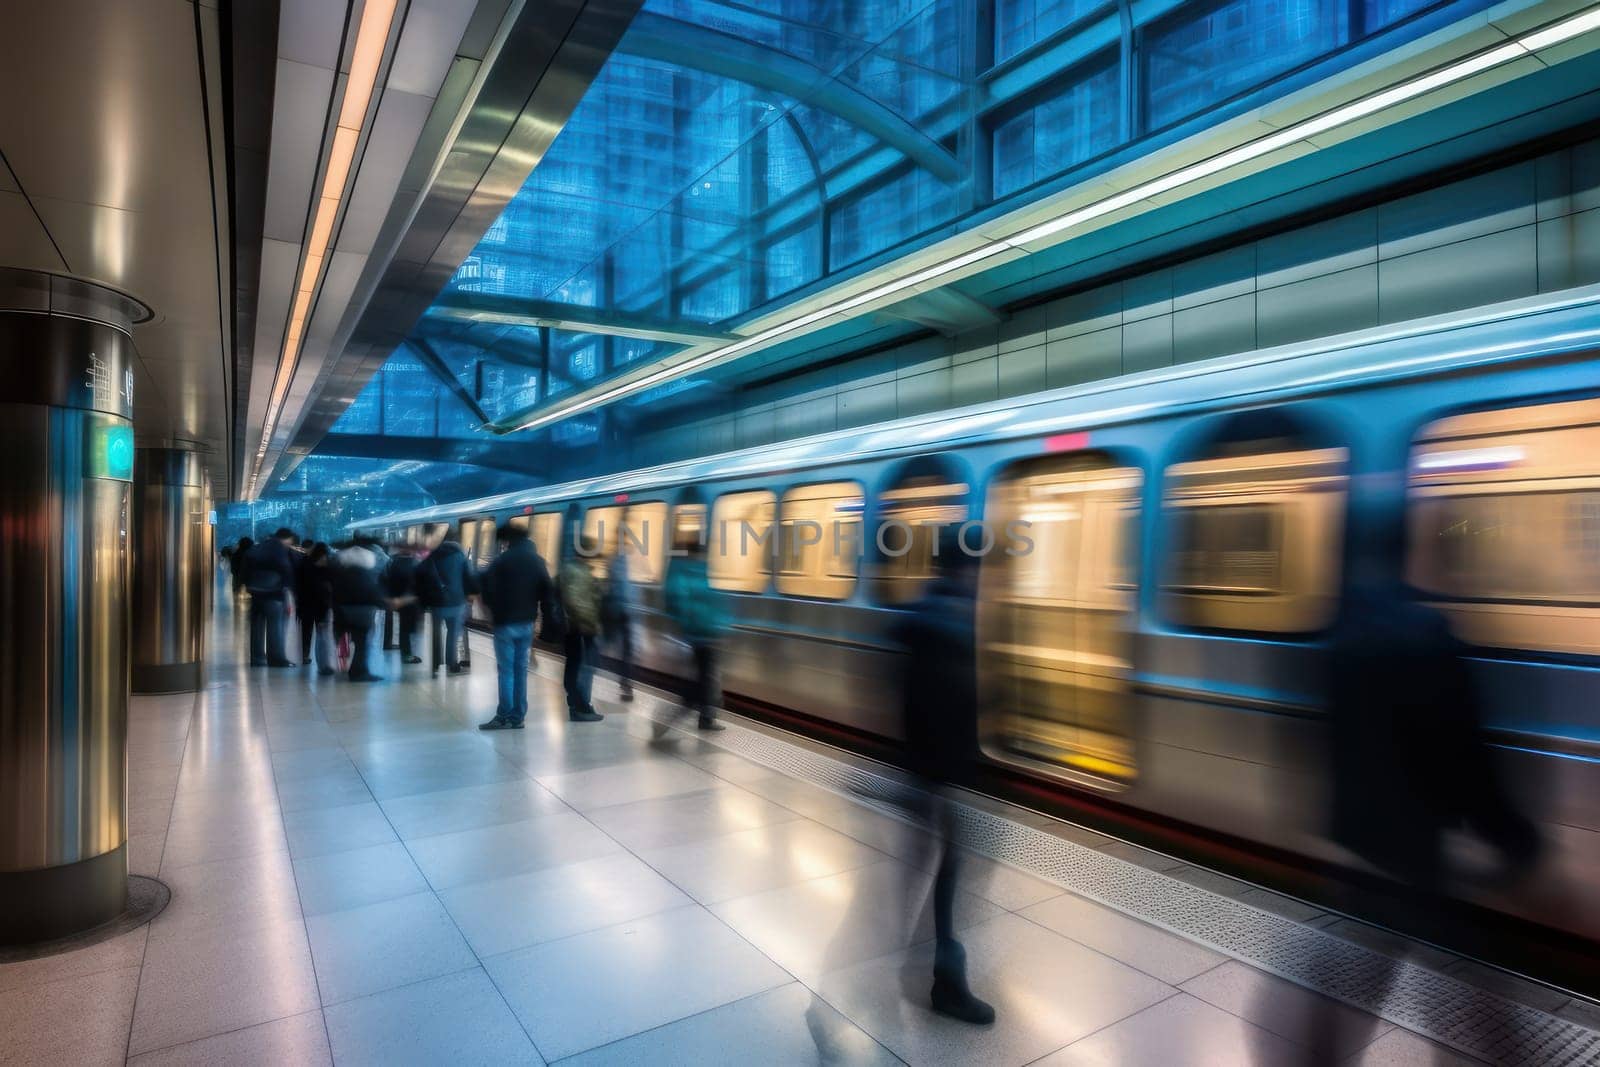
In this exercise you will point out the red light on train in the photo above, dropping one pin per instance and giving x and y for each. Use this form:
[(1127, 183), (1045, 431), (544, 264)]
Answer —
[(1067, 442), (528, 509), (621, 498)]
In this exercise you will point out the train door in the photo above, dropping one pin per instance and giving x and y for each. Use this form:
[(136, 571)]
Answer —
[(546, 529), (1056, 618)]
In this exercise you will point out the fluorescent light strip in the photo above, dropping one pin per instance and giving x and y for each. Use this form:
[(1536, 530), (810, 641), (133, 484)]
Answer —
[(371, 38), (1560, 32)]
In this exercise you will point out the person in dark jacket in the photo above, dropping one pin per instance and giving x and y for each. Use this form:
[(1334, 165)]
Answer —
[(236, 564), (358, 594), (517, 591), (313, 596), (580, 607), (269, 575), (402, 582), (444, 581)]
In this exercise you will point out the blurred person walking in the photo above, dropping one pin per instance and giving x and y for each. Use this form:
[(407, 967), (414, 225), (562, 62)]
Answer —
[(939, 708), (618, 605), (236, 565), (517, 591), (313, 594), (269, 576), (401, 580), (444, 581), (701, 615), (358, 595), (580, 605)]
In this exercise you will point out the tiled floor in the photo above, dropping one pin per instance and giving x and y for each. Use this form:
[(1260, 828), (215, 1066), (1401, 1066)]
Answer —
[(359, 875)]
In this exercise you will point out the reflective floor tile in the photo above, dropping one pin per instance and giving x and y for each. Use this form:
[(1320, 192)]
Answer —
[(393, 943), (584, 991), (1142, 857), (1284, 1008), (1150, 949), (116, 954), (246, 890), (1046, 990), (287, 766), (451, 810), (144, 853), (510, 913), (328, 790), (604, 786), (485, 768), (199, 984), (752, 861), (787, 1025), (1179, 1030), (459, 1019), (200, 838), (304, 734), (450, 860), (1002, 884), (1401, 1048), (301, 1040), (318, 831), (673, 820), (357, 877), (832, 922), (80, 1021)]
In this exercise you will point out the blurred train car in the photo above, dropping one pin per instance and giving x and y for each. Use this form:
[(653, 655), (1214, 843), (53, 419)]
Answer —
[(1161, 642)]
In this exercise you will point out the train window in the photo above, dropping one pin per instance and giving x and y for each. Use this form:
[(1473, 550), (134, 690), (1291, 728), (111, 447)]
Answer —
[(1055, 618), (1255, 539), (739, 548), (819, 540), (644, 541), (546, 528), (605, 526), (433, 534), (1503, 525), (688, 526), (910, 516)]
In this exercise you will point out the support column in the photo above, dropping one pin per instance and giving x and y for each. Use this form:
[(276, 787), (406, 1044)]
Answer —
[(171, 570), (66, 435)]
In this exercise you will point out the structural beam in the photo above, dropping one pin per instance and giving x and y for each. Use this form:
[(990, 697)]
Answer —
[(523, 311)]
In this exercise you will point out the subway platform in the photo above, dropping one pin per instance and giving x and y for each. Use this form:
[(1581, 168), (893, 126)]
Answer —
[(360, 876)]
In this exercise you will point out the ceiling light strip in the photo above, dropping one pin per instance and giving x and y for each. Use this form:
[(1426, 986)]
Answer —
[(372, 37), (1526, 45)]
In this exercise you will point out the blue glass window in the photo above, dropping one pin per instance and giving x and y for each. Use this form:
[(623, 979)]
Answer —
[(508, 389), (1020, 23), (1380, 13), (1057, 134), (892, 213), (408, 398), (1194, 61), (364, 415)]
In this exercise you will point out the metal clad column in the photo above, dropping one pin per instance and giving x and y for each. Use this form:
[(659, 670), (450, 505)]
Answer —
[(66, 400), (171, 570)]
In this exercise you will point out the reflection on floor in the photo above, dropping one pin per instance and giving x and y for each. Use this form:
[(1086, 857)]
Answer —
[(359, 875)]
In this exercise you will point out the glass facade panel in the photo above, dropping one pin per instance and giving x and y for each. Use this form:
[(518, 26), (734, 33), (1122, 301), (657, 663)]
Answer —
[(1021, 23), (1058, 133), (1203, 55)]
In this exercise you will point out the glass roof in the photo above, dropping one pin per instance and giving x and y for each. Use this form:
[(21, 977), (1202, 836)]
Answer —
[(732, 155)]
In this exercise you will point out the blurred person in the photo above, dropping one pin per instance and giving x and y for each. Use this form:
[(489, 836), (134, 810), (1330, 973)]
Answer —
[(356, 580), (701, 615), (269, 574), (444, 581), (313, 594), (618, 605), (1408, 759), (580, 606), (236, 564), (517, 591), (938, 689), (402, 584)]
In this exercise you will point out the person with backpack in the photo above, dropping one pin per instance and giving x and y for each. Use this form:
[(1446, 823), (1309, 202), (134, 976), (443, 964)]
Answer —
[(444, 581), (401, 580), (617, 606), (702, 617), (313, 596), (516, 590), (236, 564), (269, 574), (580, 602)]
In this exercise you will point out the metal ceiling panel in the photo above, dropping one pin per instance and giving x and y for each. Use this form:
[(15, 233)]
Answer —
[(419, 69), (300, 107), (395, 131), (310, 32), (22, 239)]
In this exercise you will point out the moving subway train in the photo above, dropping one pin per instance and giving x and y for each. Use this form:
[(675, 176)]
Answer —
[(1159, 641)]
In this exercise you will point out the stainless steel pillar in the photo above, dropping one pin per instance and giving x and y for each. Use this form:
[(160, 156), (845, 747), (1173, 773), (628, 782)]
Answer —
[(66, 460), (171, 570)]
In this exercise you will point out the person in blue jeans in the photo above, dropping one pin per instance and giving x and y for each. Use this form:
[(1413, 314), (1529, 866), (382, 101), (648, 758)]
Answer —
[(517, 591), (444, 582)]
